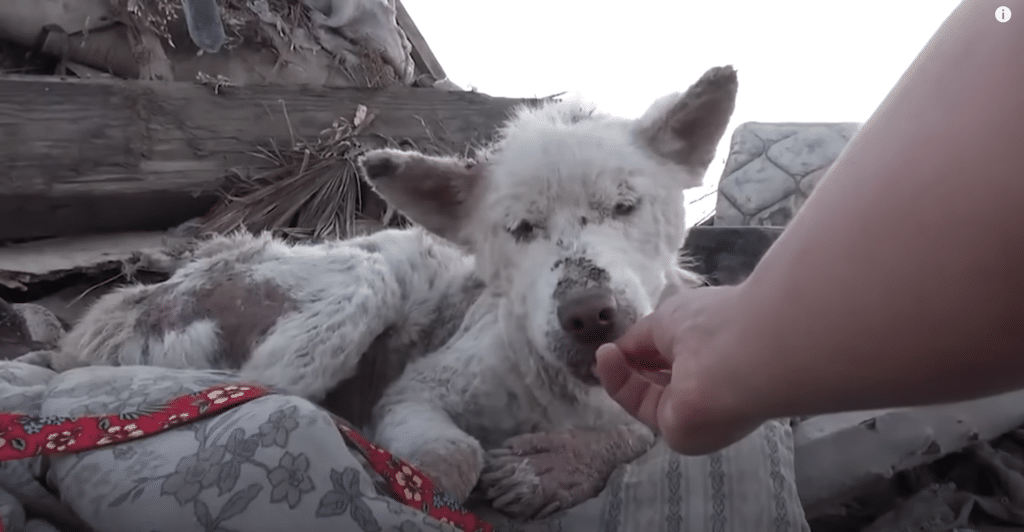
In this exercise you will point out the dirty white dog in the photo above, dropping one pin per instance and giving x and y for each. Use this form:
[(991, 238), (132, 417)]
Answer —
[(549, 243)]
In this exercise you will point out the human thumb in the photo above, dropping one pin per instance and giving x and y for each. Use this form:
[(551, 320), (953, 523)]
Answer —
[(638, 346)]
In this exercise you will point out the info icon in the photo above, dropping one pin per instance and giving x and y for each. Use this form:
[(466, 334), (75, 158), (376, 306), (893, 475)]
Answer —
[(1003, 14)]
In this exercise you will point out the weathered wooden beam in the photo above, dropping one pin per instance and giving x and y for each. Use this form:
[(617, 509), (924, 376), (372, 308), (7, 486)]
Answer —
[(95, 156), (50, 259), (422, 56)]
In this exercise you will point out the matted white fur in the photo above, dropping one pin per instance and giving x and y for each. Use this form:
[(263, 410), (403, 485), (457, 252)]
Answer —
[(552, 240)]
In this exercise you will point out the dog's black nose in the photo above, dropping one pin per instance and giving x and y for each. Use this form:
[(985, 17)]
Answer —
[(589, 316)]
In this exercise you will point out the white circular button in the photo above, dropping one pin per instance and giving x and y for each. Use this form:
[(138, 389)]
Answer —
[(1003, 14)]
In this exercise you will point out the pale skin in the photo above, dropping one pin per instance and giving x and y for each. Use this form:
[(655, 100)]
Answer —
[(899, 283)]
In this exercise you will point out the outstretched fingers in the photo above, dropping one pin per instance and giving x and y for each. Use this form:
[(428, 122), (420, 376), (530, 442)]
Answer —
[(639, 396)]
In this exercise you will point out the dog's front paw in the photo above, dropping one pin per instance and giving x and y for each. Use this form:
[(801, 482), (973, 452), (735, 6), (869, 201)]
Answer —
[(454, 471), (535, 475)]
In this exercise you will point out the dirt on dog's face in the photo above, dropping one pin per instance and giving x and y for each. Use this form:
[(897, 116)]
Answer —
[(578, 232), (575, 218)]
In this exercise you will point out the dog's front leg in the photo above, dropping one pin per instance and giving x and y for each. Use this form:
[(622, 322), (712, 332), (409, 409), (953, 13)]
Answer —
[(425, 436), (535, 475)]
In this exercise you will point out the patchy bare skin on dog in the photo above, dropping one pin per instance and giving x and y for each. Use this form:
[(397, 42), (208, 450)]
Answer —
[(298, 318), (244, 311), (484, 321)]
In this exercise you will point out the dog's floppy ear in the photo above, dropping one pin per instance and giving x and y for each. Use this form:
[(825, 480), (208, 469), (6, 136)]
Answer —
[(438, 193), (686, 128)]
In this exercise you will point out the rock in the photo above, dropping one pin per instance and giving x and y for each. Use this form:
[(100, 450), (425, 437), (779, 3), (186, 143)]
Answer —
[(15, 337), (43, 326)]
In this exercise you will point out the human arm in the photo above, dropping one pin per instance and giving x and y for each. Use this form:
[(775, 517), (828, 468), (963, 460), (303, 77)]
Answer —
[(900, 281)]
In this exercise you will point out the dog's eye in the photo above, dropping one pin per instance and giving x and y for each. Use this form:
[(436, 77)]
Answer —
[(624, 208), (523, 231)]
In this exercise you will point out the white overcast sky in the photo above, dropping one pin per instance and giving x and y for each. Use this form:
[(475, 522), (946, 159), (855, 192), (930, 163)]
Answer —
[(798, 60)]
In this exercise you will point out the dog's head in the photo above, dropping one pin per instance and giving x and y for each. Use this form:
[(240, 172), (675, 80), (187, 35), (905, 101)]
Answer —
[(575, 218)]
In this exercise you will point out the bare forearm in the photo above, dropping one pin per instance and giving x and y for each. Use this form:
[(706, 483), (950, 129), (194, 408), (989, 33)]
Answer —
[(901, 281)]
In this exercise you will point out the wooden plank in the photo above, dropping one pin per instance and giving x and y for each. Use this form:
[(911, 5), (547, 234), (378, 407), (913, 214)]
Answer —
[(838, 456), (96, 156), (52, 257), (422, 56)]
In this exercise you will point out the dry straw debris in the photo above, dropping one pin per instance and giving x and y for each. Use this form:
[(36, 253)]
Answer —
[(310, 190), (249, 21)]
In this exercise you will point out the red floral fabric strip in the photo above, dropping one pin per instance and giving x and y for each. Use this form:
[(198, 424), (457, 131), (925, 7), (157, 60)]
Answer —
[(24, 436), (413, 488)]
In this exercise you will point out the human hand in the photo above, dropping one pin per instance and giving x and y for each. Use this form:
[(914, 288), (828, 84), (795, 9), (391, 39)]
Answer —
[(677, 371)]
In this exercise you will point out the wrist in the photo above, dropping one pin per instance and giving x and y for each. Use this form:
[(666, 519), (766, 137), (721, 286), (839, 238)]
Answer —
[(752, 351), (720, 388)]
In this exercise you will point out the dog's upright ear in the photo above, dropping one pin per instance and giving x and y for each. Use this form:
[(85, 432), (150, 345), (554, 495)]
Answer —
[(686, 128), (439, 193)]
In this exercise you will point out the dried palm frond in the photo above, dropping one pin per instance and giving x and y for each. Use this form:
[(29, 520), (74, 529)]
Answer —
[(310, 190)]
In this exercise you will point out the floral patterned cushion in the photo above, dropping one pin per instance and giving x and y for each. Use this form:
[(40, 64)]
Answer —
[(274, 463), (22, 482)]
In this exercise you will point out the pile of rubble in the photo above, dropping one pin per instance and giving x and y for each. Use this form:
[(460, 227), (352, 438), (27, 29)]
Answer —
[(136, 132), (348, 43)]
